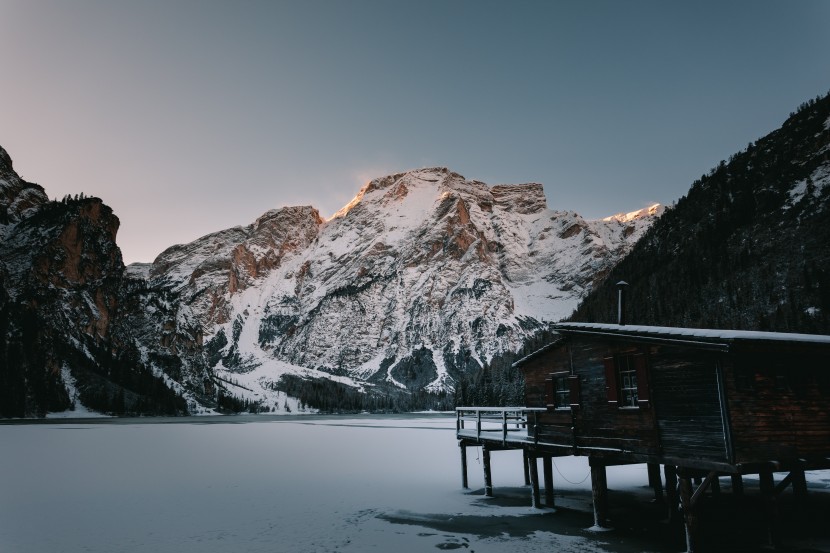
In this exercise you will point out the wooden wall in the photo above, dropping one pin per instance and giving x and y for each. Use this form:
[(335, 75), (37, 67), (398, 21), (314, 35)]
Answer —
[(779, 404), (684, 384)]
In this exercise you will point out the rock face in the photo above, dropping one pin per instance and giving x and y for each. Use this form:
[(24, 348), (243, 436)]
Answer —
[(423, 275), (60, 287)]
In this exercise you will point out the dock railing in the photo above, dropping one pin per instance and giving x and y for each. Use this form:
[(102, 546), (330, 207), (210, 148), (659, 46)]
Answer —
[(506, 423)]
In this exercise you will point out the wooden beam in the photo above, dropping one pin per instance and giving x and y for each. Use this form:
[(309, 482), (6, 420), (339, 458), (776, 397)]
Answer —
[(464, 483), (737, 484), (655, 481), (689, 513), (671, 491), (534, 481), (799, 485), (783, 484), (547, 465), (526, 464), (599, 492), (488, 479), (770, 506), (702, 488)]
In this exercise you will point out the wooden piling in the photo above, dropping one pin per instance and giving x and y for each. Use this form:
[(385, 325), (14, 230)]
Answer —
[(534, 482), (767, 483), (547, 466), (690, 516), (599, 492), (737, 484), (715, 485), (488, 479), (655, 481), (464, 482), (526, 464), (671, 491), (799, 486)]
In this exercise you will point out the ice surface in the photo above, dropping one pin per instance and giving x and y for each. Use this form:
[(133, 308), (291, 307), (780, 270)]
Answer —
[(284, 485), (288, 485)]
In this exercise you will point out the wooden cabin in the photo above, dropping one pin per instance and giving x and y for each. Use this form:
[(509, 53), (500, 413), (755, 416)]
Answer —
[(723, 400), (702, 403)]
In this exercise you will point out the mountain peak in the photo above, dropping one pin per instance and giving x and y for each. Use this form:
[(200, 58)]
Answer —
[(650, 211)]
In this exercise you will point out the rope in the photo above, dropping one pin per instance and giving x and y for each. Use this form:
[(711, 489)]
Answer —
[(565, 479)]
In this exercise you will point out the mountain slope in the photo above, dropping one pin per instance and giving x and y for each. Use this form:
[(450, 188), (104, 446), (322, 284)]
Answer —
[(747, 248), (422, 276)]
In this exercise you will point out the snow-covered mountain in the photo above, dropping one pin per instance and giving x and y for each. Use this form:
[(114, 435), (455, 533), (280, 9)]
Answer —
[(424, 274)]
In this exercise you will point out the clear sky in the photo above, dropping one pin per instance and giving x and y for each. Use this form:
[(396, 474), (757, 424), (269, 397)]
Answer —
[(193, 116)]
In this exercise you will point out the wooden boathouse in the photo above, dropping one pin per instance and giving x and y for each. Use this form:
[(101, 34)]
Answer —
[(700, 403)]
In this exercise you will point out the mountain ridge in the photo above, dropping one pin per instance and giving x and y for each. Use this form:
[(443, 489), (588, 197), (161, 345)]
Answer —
[(423, 277)]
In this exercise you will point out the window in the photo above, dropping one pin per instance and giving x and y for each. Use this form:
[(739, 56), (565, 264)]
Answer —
[(626, 380), (562, 391)]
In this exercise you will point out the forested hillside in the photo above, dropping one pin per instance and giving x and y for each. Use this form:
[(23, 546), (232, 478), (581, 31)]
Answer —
[(747, 248)]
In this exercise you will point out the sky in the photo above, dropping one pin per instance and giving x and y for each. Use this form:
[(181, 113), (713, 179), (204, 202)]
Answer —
[(188, 117)]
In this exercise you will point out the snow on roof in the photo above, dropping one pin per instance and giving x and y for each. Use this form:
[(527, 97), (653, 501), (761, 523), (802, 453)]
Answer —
[(694, 334)]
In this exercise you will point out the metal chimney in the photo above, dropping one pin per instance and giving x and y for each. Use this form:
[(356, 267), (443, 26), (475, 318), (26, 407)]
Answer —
[(621, 286)]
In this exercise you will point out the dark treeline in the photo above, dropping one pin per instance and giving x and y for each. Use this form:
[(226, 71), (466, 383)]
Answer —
[(498, 383), (746, 248)]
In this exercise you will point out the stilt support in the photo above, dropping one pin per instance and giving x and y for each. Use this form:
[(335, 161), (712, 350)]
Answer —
[(770, 506), (655, 481), (599, 491), (526, 467), (464, 483), (547, 465), (737, 484), (534, 481), (799, 486), (689, 513), (671, 492), (488, 479)]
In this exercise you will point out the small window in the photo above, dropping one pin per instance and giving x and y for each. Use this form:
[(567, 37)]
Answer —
[(562, 391), (626, 380)]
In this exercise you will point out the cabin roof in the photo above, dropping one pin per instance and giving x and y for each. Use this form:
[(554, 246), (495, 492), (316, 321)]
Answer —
[(707, 338), (692, 335)]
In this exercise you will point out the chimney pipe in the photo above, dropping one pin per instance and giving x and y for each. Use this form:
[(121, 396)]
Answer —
[(621, 286)]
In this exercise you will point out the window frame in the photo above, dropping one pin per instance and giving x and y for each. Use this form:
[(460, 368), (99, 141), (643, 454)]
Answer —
[(632, 363), (568, 395)]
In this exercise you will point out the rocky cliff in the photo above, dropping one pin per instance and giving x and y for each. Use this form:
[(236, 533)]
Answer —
[(424, 276)]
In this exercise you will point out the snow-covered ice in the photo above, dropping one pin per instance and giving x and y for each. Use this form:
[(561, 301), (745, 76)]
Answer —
[(281, 484)]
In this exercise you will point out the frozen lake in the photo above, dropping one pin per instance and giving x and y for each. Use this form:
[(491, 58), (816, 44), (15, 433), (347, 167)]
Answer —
[(287, 484)]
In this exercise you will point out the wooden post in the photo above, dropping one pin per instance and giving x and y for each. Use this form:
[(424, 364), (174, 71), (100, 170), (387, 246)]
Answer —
[(534, 481), (770, 506), (526, 464), (689, 513), (799, 486), (488, 479), (655, 481), (715, 485), (547, 465), (737, 484), (464, 483), (671, 491), (599, 491)]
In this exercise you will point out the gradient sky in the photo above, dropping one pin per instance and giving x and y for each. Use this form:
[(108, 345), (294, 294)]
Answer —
[(188, 117)]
